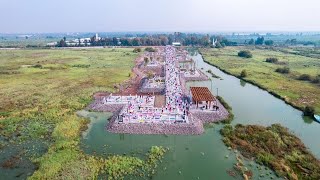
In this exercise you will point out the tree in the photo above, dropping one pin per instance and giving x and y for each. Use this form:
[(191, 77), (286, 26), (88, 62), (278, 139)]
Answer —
[(243, 73), (260, 40), (218, 45), (62, 43), (245, 54), (269, 42), (308, 111), (251, 42), (115, 41), (136, 42)]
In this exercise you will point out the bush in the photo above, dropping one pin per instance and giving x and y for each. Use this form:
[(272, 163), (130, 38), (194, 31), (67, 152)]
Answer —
[(283, 70), (272, 60), (316, 80), (136, 50), (243, 73), (150, 49), (308, 111), (146, 60), (268, 42), (245, 54), (37, 66), (304, 77)]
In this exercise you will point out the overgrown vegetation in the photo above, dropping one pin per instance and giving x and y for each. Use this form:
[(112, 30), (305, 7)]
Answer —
[(117, 167), (40, 103), (274, 147), (229, 109)]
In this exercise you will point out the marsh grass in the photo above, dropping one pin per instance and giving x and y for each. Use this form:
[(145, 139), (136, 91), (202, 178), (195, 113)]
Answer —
[(274, 147), (39, 102)]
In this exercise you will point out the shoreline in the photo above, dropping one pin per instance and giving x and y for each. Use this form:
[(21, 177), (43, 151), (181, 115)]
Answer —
[(254, 84), (197, 118)]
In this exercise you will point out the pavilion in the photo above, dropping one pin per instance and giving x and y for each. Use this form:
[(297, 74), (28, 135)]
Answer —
[(201, 95)]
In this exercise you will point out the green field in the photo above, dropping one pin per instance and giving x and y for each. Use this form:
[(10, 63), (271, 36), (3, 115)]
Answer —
[(298, 93), (40, 92)]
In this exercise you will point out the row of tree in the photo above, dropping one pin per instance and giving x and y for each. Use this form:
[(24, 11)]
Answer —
[(157, 40), (260, 41)]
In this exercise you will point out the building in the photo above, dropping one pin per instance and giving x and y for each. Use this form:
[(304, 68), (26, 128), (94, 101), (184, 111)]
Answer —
[(176, 44)]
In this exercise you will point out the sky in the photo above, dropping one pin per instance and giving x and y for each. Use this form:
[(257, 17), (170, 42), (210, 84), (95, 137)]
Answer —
[(39, 16)]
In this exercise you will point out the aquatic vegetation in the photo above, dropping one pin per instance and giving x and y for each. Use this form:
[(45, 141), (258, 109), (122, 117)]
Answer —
[(212, 74), (40, 103), (117, 167), (274, 147), (229, 109)]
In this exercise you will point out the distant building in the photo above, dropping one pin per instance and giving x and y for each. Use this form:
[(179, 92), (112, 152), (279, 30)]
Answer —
[(52, 44), (214, 42), (97, 38), (176, 44)]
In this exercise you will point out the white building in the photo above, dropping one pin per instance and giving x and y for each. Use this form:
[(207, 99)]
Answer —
[(176, 44)]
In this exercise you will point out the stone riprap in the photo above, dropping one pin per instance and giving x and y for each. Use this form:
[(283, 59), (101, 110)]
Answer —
[(137, 114)]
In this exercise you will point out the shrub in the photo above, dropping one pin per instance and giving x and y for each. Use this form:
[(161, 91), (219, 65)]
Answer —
[(245, 54), (268, 42), (272, 60), (146, 60), (283, 70), (304, 77), (316, 80), (136, 50), (81, 65), (308, 111), (243, 73), (150, 49), (37, 66)]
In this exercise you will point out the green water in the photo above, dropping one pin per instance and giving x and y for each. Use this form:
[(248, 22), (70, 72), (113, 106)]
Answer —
[(203, 156)]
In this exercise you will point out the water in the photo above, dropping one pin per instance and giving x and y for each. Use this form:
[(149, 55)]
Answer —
[(203, 156)]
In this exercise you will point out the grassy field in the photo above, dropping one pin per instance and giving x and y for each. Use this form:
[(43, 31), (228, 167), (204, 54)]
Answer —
[(40, 92), (298, 93)]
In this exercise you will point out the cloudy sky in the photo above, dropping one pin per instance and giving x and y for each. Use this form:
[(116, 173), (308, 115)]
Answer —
[(21, 16)]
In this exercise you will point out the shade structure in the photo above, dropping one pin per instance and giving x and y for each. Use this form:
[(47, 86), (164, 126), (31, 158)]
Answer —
[(201, 94)]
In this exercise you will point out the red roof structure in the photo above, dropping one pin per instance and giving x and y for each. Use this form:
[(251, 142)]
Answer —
[(201, 94)]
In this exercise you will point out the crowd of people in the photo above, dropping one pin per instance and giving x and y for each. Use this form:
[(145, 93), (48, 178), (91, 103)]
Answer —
[(140, 109)]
